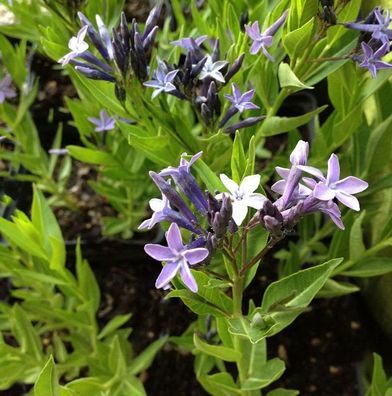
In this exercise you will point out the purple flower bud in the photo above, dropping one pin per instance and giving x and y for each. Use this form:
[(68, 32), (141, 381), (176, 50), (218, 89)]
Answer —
[(125, 36), (173, 197), (94, 37), (187, 183), (244, 124), (235, 67), (152, 19), (94, 74), (216, 51)]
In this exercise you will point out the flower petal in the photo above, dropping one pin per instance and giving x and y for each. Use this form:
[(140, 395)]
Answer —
[(348, 200), (279, 187), (323, 192), (187, 278), (168, 272), (174, 238), (231, 185), (194, 256), (313, 171), (250, 184), (282, 172), (333, 169), (351, 185), (240, 210), (255, 201), (159, 252)]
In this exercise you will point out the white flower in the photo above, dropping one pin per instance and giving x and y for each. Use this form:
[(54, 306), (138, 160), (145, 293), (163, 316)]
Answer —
[(243, 196), (77, 45), (211, 69)]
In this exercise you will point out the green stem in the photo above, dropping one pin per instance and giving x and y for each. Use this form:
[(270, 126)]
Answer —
[(238, 290)]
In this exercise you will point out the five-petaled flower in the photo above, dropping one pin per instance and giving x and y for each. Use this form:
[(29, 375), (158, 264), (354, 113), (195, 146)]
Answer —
[(177, 257), (212, 69), (104, 122), (331, 187), (372, 59), (379, 30), (5, 89), (163, 80), (77, 45), (264, 39), (241, 101), (243, 196)]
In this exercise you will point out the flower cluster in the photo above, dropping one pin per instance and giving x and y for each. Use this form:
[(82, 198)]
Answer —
[(198, 78), (374, 40), (210, 219), (125, 53)]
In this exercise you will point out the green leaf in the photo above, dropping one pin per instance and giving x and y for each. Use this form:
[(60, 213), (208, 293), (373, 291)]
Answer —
[(288, 79), (206, 300), (333, 288), (379, 379), (209, 178), (221, 384), (15, 235), (25, 333), (134, 387), (218, 351), (254, 329), (45, 222), (371, 266), (357, 247), (284, 299), (116, 358), (91, 156), (144, 359), (267, 373), (275, 125), (295, 41), (113, 325), (47, 383), (87, 281)]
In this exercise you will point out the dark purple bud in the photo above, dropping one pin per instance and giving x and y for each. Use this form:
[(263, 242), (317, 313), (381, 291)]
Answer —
[(138, 59), (152, 19), (94, 37), (216, 51), (91, 58), (173, 196), (197, 243), (148, 42), (119, 56), (125, 37), (235, 67), (94, 74), (213, 101), (292, 215), (177, 94), (206, 113), (196, 69), (213, 204), (272, 225), (222, 218), (230, 113), (244, 124), (244, 19), (134, 29)]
